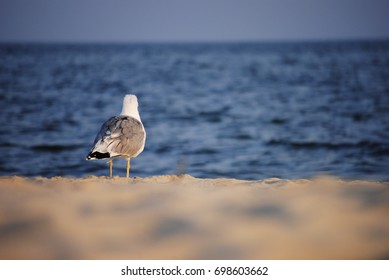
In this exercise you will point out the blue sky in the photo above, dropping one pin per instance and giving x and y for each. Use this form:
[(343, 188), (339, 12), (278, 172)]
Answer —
[(192, 20)]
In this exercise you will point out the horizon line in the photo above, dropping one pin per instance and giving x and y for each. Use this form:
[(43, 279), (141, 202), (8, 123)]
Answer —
[(230, 41)]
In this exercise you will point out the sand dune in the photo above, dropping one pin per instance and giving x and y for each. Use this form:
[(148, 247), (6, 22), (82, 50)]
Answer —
[(182, 217)]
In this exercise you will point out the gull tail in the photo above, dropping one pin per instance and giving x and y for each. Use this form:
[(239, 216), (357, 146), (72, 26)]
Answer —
[(97, 155)]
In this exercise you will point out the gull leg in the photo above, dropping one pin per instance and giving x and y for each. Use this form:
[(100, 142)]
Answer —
[(110, 168), (128, 167)]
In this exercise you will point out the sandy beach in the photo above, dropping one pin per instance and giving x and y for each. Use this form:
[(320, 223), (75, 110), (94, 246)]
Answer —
[(182, 217)]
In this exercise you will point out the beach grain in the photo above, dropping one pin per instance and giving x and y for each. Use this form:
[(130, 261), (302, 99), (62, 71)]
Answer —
[(182, 217)]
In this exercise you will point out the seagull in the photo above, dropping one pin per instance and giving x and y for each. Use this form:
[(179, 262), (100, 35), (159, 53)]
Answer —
[(120, 136)]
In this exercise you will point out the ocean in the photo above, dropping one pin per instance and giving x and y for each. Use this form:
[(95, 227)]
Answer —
[(236, 110)]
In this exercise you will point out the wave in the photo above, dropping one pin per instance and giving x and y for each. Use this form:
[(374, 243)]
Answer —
[(329, 145), (54, 148)]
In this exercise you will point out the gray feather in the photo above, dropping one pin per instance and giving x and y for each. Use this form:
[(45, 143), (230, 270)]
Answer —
[(120, 135)]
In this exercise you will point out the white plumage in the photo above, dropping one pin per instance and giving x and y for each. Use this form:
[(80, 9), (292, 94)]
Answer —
[(120, 136)]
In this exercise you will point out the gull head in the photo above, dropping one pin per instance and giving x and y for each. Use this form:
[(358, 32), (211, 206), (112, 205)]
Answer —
[(130, 106)]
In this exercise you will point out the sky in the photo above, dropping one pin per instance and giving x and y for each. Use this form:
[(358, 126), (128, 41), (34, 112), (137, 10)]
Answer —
[(192, 20)]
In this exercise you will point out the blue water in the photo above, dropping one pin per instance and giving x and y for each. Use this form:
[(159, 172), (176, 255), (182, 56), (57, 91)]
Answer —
[(248, 111)]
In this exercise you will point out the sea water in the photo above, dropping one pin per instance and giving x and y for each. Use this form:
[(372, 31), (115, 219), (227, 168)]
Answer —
[(241, 110)]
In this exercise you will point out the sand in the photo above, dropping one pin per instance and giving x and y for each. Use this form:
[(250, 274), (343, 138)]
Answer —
[(182, 217)]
